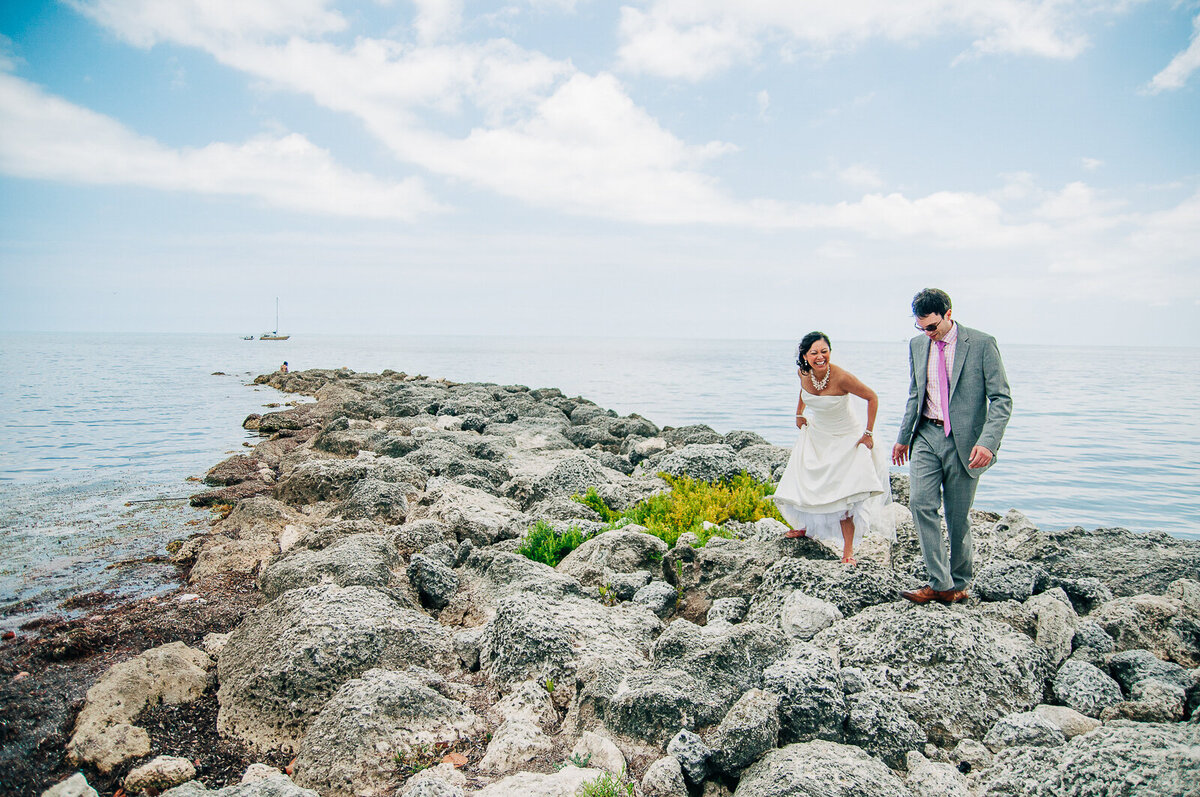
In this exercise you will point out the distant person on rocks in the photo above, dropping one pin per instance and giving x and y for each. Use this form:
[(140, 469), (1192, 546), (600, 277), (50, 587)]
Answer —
[(283, 369), (958, 406), (836, 484)]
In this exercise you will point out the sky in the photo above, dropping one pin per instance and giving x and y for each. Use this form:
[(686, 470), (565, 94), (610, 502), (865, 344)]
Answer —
[(666, 168)]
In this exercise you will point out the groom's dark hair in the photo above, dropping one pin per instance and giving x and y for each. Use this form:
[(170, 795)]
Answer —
[(931, 301)]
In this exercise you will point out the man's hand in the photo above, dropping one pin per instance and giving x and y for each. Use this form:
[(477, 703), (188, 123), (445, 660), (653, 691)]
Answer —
[(900, 454), (980, 457)]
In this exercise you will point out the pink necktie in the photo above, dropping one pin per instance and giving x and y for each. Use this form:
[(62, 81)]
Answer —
[(944, 386)]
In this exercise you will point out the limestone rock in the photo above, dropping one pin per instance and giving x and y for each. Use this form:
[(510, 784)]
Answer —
[(515, 744), (1119, 758), (1009, 579), (563, 783), (804, 616), (348, 747), (76, 786), (159, 774), (747, 730), (600, 752), (709, 463), (104, 734), (1085, 688), (664, 778), (850, 589), (693, 755), (1067, 720), (1166, 626), (473, 514), (954, 672), (284, 661), (361, 559), (819, 768), (877, 722), (1131, 667), (277, 785), (1091, 643), (812, 703), (729, 610), (1128, 563), (598, 560), (657, 596), (1024, 729), (933, 779), (434, 581), (1055, 620)]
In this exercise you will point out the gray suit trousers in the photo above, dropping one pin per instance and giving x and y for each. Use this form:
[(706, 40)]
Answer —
[(937, 474)]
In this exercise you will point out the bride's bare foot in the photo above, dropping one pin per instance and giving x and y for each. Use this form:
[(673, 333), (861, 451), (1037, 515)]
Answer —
[(849, 560), (792, 534)]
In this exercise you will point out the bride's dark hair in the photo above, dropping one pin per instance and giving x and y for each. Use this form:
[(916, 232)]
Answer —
[(806, 343)]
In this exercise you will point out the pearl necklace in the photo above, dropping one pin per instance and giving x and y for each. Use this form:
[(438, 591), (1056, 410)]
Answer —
[(824, 383)]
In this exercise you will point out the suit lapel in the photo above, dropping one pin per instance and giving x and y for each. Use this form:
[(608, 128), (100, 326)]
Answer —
[(960, 357), (921, 364)]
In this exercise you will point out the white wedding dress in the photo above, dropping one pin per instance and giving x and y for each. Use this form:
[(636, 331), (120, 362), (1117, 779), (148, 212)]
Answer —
[(830, 476)]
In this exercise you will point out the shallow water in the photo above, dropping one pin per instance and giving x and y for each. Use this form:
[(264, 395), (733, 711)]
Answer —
[(92, 422)]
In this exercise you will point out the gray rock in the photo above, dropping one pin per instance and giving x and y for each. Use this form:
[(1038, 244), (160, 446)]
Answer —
[(664, 778), (1055, 622), (693, 755), (600, 752), (877, 722), (597, 561), (374, 499), (104, 734), (570, 477), (803, 616), (473, 514), (1010, 579), (563, 783), (734, 569), (850, 589), (1085, 688), (767, 458), (77, 786), (431, 787), (278, 785), (1131, 667), (737, 440), (1023, 729), (853, 680), (971, 755), (812, 704), (933, 779), (955, 673), (335, 480), (699, 433), (709, 463), (285, 660), (443, 456), (1118, 758), (1128, 563), (362, 559), (819, 768), (1085, 593), (696, 675), (538, 637), (488, 575), (658, 596), (748, 730), (1167, 626), (159, 774), (1152, 701), (1067, 720), (1091, 643), (729, 610), (434, 581)]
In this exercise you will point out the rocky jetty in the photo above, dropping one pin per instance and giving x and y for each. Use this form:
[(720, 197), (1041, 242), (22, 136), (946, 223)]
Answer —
[(401, 646)]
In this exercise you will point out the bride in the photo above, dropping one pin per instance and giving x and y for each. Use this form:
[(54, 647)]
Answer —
[(836, 482)]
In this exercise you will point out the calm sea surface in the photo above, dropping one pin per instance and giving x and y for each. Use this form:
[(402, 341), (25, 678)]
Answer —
[(94, 423)]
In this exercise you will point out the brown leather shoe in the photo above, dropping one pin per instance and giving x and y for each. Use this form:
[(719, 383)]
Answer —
[(923, 595), (951, 595)]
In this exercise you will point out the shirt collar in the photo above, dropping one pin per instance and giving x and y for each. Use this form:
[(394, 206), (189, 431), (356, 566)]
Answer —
[(952, 336)]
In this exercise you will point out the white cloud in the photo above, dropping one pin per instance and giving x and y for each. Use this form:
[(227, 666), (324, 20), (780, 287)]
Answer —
[(1091, 164), (1176, 73), (860, 176), (49, 138), (437, 19), (208, 23), (763, 100), (692, 39)]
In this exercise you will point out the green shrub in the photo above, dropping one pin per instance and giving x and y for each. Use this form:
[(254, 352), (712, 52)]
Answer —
[(544, 544), (606, 786), (689, 504)]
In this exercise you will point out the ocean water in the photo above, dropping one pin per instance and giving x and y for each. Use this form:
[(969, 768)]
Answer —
[(97, 428)]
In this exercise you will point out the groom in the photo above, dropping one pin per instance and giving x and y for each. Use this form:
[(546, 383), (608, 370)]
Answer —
[(958, 406)]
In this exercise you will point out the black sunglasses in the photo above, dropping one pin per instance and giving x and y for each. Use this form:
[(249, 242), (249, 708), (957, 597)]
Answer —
[(930, 328)]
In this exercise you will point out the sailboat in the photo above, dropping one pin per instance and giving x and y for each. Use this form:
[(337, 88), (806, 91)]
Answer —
[(274, 334)]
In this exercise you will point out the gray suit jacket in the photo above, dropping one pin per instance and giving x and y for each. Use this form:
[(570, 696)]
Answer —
[(980, 403)]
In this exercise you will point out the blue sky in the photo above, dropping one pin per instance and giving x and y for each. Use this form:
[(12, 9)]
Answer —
[(690, 168)]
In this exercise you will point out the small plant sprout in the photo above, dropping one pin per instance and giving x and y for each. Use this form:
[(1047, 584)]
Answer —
[(548, 684)]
